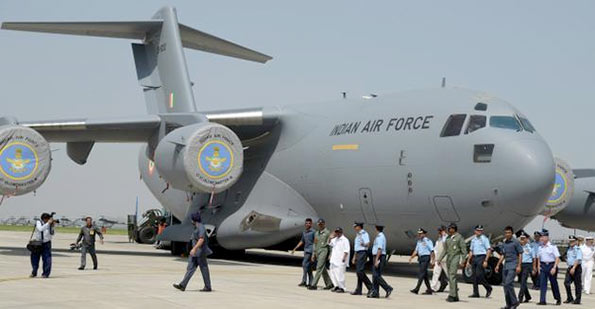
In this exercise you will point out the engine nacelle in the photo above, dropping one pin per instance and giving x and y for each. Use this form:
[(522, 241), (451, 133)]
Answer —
[(563, 189), (204, 157), (25, 160)]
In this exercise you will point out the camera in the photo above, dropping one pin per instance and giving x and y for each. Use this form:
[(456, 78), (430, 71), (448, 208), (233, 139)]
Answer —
[(52, 216)]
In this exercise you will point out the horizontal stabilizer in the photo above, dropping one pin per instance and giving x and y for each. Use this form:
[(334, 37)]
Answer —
[(138, 30)]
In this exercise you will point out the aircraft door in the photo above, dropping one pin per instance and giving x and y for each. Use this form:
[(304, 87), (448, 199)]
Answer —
[(446, 208), (367, 205)]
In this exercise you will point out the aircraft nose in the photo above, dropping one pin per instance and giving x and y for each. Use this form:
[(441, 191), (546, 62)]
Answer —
[(528, 170)]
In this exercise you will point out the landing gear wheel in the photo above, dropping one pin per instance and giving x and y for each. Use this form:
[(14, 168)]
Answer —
[(491, 275), (147, 235)]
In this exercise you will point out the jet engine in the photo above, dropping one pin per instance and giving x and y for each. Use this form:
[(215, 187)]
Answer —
[(204, 157), (563, 189), (25, 160)]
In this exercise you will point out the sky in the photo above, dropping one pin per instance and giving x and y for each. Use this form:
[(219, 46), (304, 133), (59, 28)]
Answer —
[(537, 55)]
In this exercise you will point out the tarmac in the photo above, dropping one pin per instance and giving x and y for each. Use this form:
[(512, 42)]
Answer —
[(139, 276)]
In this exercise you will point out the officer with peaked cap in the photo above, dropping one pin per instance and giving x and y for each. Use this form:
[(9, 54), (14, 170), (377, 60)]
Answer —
[(548, 258), (424, 250), (526, 266), (574, 273), (455, 251), (360, 246), (535, 243), (479, 254)]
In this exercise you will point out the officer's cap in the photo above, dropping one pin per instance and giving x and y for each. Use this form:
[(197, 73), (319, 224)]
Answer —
[(537, 233), (580, 237), (479, 227), (360, 224), (545, 232), (320, 220), (572, 238), (589, 238), (421, 231), (339, 229), (523, 236)]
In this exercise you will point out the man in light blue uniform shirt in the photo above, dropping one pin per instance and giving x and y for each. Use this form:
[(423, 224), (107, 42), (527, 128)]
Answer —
[(535, 245), (379, 253), (361, 245), (479, 254), (424, 249), (526, 266), (548, 258), (574, 274)]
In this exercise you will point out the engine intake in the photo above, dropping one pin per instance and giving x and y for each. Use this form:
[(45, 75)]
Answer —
[(205, 157), (25, 160)]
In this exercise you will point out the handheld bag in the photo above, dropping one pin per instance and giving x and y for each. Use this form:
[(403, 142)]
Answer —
[(35, 245)]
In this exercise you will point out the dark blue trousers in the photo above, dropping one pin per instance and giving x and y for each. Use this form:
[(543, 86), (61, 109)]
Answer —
[(543, 278), (307, 268), (46, 256)]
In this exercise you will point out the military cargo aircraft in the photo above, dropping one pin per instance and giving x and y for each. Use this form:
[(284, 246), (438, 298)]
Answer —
[(579, 212), (405, 160)]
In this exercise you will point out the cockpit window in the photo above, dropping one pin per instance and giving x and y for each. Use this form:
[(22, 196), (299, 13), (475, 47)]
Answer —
[(527, 124), (453, 125), (505, 122), (476, 122)]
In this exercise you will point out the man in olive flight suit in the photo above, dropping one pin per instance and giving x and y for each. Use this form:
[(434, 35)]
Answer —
[(455, 251), (321, 254)]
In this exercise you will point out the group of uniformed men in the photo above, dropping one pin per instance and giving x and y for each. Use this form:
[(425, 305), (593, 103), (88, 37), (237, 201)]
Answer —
[(522, 256)]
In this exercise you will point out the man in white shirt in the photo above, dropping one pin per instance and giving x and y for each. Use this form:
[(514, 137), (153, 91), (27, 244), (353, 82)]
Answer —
[(588, 250), (44, 230), (440, 270), (339, 259)]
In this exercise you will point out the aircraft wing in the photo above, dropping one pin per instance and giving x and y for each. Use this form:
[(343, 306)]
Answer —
[(246, 123)]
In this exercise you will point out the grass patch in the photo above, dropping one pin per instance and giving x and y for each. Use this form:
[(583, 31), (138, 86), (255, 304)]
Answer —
[(60, 229)]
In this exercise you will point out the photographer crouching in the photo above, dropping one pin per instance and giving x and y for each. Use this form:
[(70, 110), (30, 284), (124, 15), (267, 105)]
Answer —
[(42, 234)]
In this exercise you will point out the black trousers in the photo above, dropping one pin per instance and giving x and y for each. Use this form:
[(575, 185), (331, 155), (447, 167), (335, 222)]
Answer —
[(526, 270), (361, 257), (377, 280), (479, 276), (422, 274), (577, 280)]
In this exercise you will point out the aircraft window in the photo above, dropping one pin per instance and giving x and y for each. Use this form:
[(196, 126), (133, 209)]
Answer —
[(527, 125), (453, 125), (505, 122), (476, 122), (481, 107)]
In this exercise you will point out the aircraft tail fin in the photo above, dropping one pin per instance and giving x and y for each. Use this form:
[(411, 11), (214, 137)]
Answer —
[(159, 59)]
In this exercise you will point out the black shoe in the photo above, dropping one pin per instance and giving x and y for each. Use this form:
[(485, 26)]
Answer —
[(94, 267), (576, 302), (340, 290), (206, 290), (32, 275), (414, 291), (356, 293), (388, 292), (473, 296), (541, 304), (427, 292), (514, 306), (558, 302), (441, 289), (335, 289), (81, 268), (527, 300), (179, 287), (451, 299), (328, 287), (302, 284), (45, 276), (312, 287), (373, 295), (488, 293), (568, 301)]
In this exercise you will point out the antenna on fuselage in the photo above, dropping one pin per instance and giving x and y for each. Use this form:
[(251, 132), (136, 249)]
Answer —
[(443, 82), (344, 95)]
